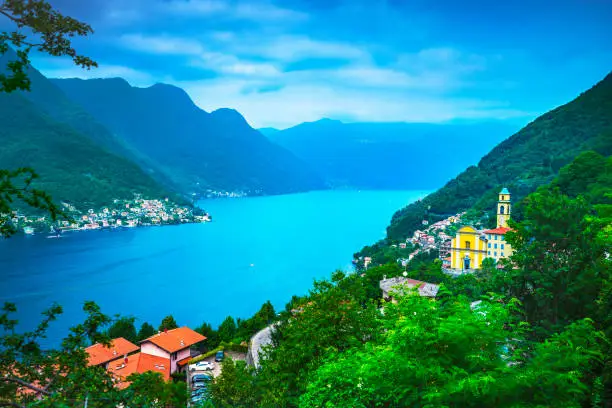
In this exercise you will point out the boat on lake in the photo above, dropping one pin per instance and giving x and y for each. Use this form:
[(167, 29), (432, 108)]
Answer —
[(28, 230)]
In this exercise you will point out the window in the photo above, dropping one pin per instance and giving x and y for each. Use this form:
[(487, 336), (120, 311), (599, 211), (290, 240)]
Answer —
[(495, 246), (467, 244), (502, 246), (502, 254), (174, 356), (496, 237), (489, 245), (495, 253), (489, 253), (489, 236), (502, 209)]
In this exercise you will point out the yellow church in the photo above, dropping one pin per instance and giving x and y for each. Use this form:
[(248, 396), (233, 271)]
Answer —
[(471, 246)]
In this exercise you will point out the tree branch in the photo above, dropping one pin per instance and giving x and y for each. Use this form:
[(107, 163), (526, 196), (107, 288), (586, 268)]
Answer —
[(25, 384)]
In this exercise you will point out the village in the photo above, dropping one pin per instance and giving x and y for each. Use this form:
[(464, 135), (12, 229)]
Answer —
[(121, 214), (461, 247)]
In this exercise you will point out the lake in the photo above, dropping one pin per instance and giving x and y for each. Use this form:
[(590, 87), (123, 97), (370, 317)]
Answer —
[(255, 249)]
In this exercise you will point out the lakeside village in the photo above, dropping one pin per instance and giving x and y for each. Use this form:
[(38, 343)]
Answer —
[(470, 246), (121, 214)]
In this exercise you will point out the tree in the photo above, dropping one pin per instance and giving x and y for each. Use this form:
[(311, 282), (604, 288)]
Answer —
[(235, 386), (36, 25), (227, 329), (150, 390), (434, 355), (146, 331), (556, 268), (123, 327), (168, 323), (62, 376), (212, 336)]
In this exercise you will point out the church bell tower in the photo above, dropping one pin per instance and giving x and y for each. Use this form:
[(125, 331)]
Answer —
[(503, 208)]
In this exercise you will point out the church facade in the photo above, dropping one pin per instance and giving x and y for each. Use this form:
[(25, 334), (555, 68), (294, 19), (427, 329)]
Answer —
[(471, 246)]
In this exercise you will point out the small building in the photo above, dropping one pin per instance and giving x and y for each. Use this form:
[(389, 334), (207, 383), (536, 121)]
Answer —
[(137, 363), (402, 285), (101, 355), (173, 345)]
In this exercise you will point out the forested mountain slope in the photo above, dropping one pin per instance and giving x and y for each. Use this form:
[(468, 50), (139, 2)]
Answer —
[(530, 158), (196, 149)]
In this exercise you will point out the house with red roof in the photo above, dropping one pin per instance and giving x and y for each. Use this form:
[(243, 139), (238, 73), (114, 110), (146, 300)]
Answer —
[(173, 345), (137, 363), (99, 354)]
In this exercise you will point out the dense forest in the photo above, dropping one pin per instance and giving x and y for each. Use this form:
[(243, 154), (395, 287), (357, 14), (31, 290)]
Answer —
[(530, 158)]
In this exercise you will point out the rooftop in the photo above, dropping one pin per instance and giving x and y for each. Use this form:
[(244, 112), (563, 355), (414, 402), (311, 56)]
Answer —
[(425, 289), (504, 191), (175, 339), (498, 231), (138, 363), (100, 354)]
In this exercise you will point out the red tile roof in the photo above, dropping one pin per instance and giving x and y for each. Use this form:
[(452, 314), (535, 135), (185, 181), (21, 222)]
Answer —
[(184, 361), (498, 231), (176, 339), (100, 354), (138, 363)]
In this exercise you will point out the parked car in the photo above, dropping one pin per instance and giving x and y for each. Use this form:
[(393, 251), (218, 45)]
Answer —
[(219, 356), (202, 365), (200, 381)]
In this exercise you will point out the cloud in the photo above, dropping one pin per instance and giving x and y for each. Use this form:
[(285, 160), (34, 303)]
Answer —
[(161, 44), (242, 10)]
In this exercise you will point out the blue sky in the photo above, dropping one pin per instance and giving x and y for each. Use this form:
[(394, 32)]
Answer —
[(285, 62)]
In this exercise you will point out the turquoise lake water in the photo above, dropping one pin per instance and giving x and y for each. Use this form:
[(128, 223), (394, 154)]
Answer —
[(255, 249)]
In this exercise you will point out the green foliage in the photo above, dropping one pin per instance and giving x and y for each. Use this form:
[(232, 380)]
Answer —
[(37, 25), (235, 386), (227, 329), (123, 327), (146, 331), (212, 336), (333, 319), (149, 389), (433, 354), (168, 323), (525, 161), (15, 189)]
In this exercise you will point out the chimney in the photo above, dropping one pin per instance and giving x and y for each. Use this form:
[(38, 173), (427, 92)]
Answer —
[(165, 330), (125, 360)]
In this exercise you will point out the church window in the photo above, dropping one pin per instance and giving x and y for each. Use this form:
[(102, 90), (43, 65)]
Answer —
[(502, 209), (467, 244)]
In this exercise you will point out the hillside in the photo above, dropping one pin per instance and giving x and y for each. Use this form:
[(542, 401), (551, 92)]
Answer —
[(70, 165), (530, 158), (389, 155), (197, 150)]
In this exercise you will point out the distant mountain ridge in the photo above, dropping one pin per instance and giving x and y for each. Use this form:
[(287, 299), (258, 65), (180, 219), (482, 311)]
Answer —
[(194, 149), (389, 155), (530, 158)]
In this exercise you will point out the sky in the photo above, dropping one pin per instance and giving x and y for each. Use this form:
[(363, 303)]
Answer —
[(280, 63)]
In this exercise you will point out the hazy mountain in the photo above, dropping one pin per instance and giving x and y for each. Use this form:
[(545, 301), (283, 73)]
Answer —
[(530, 158), (197, 150), (390, 155)]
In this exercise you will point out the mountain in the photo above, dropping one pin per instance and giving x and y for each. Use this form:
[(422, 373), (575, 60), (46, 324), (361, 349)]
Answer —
[(195, 149), (390, 155), (268, 131), (70, 165), (530, 158), (77, 158)]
